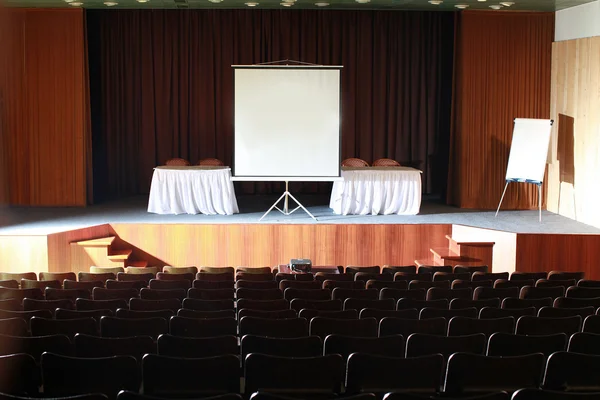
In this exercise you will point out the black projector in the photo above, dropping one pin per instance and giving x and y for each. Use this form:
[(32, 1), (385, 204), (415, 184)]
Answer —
[(300, 265)]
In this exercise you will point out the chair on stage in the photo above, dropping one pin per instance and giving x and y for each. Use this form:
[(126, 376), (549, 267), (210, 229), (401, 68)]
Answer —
[(354, 162), (177, 162), (386, 162), (211, 162)]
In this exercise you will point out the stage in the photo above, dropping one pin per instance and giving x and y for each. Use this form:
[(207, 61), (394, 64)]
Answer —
[(123, 232)]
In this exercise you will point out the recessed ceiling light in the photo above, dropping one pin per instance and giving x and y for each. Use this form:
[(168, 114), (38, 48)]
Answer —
[(75, 3), (251, 4), (215, 1), (461, 6), (507, 3), (287, 4), (435, 2), (496, 7), (481, 1), (110, 3), (321, 4), (363, 1), (143, 1)]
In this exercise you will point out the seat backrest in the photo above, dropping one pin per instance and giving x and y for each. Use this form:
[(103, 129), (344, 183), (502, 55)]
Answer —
[(353, 269), (390, 346), (406, 327), (176, 276), (449, 294), (14, 326), (20, 294), (572, 372), (573, 302), (380, 284), (527, 325), (392, 269), (86, 305), (87, 346), (492, 312), (531, 292), (118, 373), (324, 305), (271, 305), (30, 284), (573, 291), (585, 343), (379, 374), (132, 284), (169, 284), (482, 293), (184, 312), (136, 314), (322, 276), (476, 373), (411, 313), (251, 276), (113, 327), (333, 284), (404, 303), (432, 312), (420, 344), (540, 394), (591, 324), (62, 313), (70, 294), (208, 305), (397, 294), (320, 326), (188, 347), (204, 327), (432, 269), (205, 284), (259, 294), (302, 285), (456, 304), (20, 375), (17, 276), (169, 269), (459, 326), (292, 293), (512, 303), (470, 268), (162, 294), (562, 275), (553, 283), (25, 315), (210, 277), (310, 314), (308, 346), (57, 276), (427, 285), (534, 276), (551, 312), (450, 276), (105, 270), (113, 294), (69, 327), (87, 285), (413, 276), (52, 305), (503, 283), (269, 284), (271, 373), (35, 345), (211, 294), (488, 276), (359, 304), (281, 328), (508, 345), (128, 277), (276, 314)]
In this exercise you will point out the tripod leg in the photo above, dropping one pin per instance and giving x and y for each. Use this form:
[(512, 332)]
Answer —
[(301, 206), (272, 207), (501, 198), (540, 200)]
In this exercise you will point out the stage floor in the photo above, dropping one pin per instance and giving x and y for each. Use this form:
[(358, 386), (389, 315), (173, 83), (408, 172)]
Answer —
[(48, 220)]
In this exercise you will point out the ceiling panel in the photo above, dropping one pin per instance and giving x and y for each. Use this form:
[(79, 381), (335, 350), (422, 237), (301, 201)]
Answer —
[(447, 5)]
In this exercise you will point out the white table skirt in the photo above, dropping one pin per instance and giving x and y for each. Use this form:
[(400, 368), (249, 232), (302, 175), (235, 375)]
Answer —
[(377, 190), (192, 190)]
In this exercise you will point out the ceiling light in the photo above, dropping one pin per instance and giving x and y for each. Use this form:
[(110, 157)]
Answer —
[(215, 1), (507, 3), (363, 1), (496, 6), (110, 3), (251, 4), (142, 1), (435, 2), (461, 6), (481, 1), (287, 4), (75, 3), (321, 4)]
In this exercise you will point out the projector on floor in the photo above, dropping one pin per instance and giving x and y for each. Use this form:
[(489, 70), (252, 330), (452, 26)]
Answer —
[(300, 265)]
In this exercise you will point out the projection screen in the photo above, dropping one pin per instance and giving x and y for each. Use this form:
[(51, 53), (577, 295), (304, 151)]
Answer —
[(287, 123)]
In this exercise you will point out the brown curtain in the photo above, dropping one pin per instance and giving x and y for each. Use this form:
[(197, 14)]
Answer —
[(503, 64), (44, 113), (162, 84)]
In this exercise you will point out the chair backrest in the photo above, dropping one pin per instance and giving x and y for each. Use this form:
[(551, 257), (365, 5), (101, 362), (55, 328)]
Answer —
[(169, 284), (259, 294), (390, 346), (367, 276), (540, 394), (380, 284), (320, 326), (411, 313), (271, 373), (420, 344), (62, 313), (280, 304), (397, 294), (551, 312), (405, 303), (208, 305), (106, 270), (456, 304), (213, 277), (572, 372), (427, 313), (492, 312), (205, 327), (514, 303), (252, 276), (562, 275), (489, 276), (136, 314), (69, 327), (470, 268), (406, 327), (187, 347), (113, 327), (206, 314), (374, 373), (280, 328), (162, 294), (427, 285), (113, 294), (20, 294), (308, 346), (322, 276), (450, 276), (573, 291), (323, 305), (211, 294), (177, 162), (17, 276), (459, 326), (95, 277), (310, 314), (30, 284), (555, 282), (332, 284), (302, 285), (528, 325), (359, 304), (476, 373), (70, 294), (292, 293), (534, 276), (275, 314), (141, 270), (392, 269), (353, 269), (117, 373), (204, 284), (462, 284), (35, 345), (589, 283), (449, 294), (132, 284), (20, 375), (591, 324), (531, 292), (573, 302), (51, 305), (87, 305), (432, 269), (214, 162), (585, 343), (268, 284), (503, 283), (354, 162), (508, 345), (25, 315), (87, 346), (57, 276), (386, 162), (413, 276), (482, 293), (83, 285), (14, 327)]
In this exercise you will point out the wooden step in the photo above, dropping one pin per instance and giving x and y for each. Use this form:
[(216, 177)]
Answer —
[(445, 253), (120, 255), (137, 263), (100, 242)]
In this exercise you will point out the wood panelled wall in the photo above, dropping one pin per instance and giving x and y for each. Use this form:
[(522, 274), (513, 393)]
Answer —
[(45, 107), (502, 72), (574, 171)]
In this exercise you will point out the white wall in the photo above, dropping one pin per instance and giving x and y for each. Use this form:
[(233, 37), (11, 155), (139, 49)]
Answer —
[(578, 22)]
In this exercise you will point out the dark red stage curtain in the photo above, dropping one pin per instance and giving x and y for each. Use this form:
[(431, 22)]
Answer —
[(166, 84), (503, 68)]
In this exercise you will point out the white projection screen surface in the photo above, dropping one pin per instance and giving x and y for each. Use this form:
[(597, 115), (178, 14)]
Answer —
[(287, 123), (529, 150)]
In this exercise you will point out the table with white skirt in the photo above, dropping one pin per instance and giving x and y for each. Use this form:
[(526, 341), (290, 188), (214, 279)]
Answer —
[(377, 190), (192, 190)]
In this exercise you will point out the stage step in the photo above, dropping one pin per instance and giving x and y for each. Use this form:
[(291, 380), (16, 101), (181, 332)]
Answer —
[(100, 252), (101, 242), (119, 255), (460, 253), (137, 263)]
